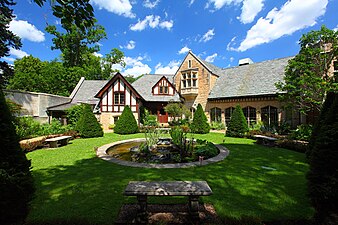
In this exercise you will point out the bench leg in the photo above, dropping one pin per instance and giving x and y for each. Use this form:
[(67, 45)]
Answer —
[(53, 144), (194, 206), (142, 212), (63, 142)]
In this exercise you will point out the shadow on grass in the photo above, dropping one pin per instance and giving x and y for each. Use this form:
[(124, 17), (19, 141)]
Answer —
[(254, 181)]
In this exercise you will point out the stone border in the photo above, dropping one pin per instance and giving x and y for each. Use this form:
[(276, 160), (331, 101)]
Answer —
[(102, 154)]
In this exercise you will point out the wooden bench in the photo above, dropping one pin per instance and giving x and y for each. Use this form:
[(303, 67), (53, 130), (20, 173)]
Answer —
[(265, 140), (53, 142), (192, 189)]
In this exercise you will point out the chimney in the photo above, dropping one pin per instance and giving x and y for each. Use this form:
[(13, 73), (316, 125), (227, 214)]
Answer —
[(245, 61)]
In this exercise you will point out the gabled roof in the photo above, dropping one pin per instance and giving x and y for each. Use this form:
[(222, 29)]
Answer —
[(210, 67), (118, 75), (250, 80), (144, 86)]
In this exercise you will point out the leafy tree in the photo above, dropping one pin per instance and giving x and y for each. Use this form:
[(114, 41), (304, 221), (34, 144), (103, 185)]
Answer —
[(126, 124), (238, 125), (323, 174), (87, 125), (16, 181), (74, 113), (200, 123), (307, 76), (114, 57), (176, 110)]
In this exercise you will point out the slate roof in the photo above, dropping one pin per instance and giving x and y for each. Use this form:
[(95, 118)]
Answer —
[(144, 87), (211, 67), (249, 80)]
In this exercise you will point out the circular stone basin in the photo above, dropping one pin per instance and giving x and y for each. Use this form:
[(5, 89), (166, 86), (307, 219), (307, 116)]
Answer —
[(102, 153)]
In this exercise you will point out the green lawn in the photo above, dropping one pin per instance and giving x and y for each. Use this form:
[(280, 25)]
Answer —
[(73, 185)]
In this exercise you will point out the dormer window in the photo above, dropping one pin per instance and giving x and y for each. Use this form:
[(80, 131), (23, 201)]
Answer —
[(189, 79), (164, 90)]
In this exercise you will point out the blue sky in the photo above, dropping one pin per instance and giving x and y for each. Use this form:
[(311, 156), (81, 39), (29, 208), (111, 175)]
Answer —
[(155, 35)]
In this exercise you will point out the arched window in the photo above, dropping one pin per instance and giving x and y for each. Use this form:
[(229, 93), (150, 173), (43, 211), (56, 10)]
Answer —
[(228, 114), (216, 114), (250, 114), (269, 116)]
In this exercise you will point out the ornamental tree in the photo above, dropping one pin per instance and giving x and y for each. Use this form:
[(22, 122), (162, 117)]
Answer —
[(307, 76), (126, 124), (200, 123), (87, 125), (238, 125)]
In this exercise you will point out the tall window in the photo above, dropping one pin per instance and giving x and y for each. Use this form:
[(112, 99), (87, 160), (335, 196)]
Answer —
[(269, 115), (250, 114), (189, 79), (216, 115), (119, 98), (189, 64), (163, 90), (228, 114)]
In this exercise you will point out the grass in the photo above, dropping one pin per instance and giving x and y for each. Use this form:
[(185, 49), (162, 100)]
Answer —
[(74, 185)]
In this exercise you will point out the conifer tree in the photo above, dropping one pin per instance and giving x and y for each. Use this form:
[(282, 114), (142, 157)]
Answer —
[(126, 124), (87, 125), (200, 123), (323, 174), (238, 125), (16, 181)]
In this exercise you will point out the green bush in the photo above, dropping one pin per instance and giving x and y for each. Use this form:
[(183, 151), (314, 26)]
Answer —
[(16, 181), (208, 150), (238, 125), (126, 124), (87, 125), (27, 127), (303, 133), (217, 125), (74, 114), (55, 127), (200, 123)]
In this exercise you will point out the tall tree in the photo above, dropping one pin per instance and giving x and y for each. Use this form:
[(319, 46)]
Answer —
[(114, 57), (200, 123), (238, 125), (308, 75)]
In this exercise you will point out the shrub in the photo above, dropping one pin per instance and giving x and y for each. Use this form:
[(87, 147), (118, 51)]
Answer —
[(200, 123), (208, 151), (303, 132), (323, 174), (16, 181), (74, 114), (238, 125), (27, 127), (87, 125), (126, 124), (217, 125), (55, 127)]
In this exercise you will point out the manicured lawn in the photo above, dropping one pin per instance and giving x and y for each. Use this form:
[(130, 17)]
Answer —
[(73, 185)]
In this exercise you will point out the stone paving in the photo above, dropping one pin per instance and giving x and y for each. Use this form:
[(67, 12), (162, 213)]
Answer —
[(102, 154)]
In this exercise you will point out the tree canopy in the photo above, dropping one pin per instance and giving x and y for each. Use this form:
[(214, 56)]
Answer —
[(308, 76)]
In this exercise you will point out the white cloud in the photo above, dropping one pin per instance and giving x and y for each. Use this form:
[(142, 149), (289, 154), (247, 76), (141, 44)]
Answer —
[(184, 50), (336, 28), (153, 22), (26, 30), (149, 4), (250, 9), (211, 58), (8, 59), (293, 16), (171, 68), (97, 54), (17, 53), (232, 59), (231, 43), (191, 2), (119, 7), (131, 45), (208, 36), (134, 66), (220, 3)]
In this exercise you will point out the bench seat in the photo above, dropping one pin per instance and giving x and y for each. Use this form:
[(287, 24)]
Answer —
[(53, 142), (265, 140)]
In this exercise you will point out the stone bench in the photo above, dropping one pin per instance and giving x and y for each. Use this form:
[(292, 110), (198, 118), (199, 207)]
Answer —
[(53, 142), (265, 140), (192, 189)]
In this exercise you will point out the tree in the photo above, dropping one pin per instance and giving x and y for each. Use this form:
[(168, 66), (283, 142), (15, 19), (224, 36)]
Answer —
[(126, 124), (16, 181), (87, 125), (8, 40), (176, 110), (323, 174), (238, 125), (200, 123), (307, 76), (114, 57)]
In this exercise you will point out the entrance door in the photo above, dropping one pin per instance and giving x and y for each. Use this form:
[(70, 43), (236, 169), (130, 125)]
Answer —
[(162, 116)]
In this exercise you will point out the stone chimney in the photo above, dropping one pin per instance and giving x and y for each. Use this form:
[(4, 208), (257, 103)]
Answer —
[(245, 61)]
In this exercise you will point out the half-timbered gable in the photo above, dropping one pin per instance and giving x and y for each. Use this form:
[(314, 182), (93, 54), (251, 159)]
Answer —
[(163, 87)]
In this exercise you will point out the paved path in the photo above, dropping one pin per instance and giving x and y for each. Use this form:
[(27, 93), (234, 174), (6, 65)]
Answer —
[(102, 153)]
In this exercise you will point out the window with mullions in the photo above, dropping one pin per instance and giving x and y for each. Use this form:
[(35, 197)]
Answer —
[(228, 113), (164, 90), (189, 79), (119, 98), (216, 115), (250, 114), (269, 116)]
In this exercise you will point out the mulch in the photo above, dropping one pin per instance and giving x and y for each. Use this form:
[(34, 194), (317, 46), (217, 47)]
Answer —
[(168, 214)]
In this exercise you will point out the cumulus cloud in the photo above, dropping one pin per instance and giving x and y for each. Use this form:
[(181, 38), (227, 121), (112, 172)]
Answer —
[(27, 31), (153, 22), (220, 3), (250, 9), (184, 50), (131, 45), (294, 15), (211, 58), (336, 28), (17, 53), (134, 66), (171, 68), (97, 54), (119, 7), (208, 36), (149, 4)]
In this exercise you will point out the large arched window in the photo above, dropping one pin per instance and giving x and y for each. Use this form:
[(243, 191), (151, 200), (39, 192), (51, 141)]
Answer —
[(228, 113), (250, 114), (216, 114), (269, 116)]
